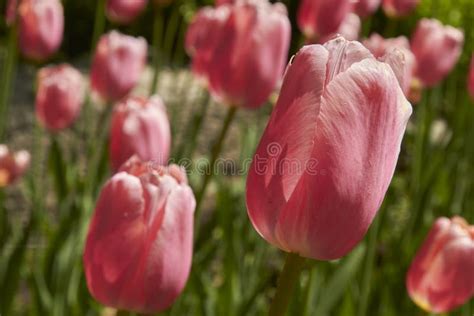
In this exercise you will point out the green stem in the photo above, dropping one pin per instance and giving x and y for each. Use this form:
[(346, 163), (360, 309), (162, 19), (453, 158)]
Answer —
[(158, 25), (7, 79), (99, 23), (216, 150), (286, 283)]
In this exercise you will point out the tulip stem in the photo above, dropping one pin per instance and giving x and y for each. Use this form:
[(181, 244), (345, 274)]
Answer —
[(99, 23), (7, 78), (286, 283), (216, 149), (158, 24)]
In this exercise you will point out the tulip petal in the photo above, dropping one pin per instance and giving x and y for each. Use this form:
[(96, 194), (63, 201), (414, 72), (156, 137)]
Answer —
[(360, 126)]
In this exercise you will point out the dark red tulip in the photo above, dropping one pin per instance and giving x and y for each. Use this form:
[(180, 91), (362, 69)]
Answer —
[(140, 241)]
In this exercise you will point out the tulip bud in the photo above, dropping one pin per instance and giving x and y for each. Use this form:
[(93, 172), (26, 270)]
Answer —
[(329, 151), (124, 11), (12, 165), (59, 97), (320, 18), (240, 50), (387, 49), (117, 65), (139, 127), (441, 276), (470, 80), (364, 8), (139, 245), (10, 14), (349, 29), (396, 8), (437, 49), (41, 25)]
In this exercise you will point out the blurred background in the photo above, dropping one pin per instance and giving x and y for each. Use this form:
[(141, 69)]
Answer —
[(234, 270)]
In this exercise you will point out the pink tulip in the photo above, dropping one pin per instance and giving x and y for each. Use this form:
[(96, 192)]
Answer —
[(139, 245), (437, 49), (221, 2), (329, 151), (59, 97), (117, 65), (10, 14), (41, 25), (470, 80), (349, 29), (364, 8), (139, 127), (320, 18), (240, 50), (12, 165), (396, 8), (441, 277), (124, 11), (384, 49)]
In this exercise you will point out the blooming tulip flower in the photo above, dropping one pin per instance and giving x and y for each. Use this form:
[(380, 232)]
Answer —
[(441, 276), (139, 245), (364, 8), (384, 49), (329, 151), (349, 29), (240, 50), (12, 165), (320, 18), (139, 127), (59, 97), (124, 11), (117, 65), (396, 8), (41, 25), (470, 80), (437, 49)]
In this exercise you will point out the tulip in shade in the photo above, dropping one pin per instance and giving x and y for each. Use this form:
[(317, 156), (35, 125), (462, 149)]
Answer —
[(437, 49), (139, 245), (10, 14), (320, 18), (349, 29), (470, 79), (441, 277), (385, 49), (140, 127), (41, 25), (124, 11), (396, 8), (59, 97), (364, 8), (240, 50), (117, 65), (12, 165), (329, 151)]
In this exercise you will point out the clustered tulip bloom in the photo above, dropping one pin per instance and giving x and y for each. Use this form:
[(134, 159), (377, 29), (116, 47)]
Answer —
[(399, 7), (139, 127), (139, 245), (124, 11), (470, 79), (437, 49), (329, 151), (12, 165), (59, 97), (41, 26), (383, 48), (349, 29), (118, 62), (320, 18), (441, 276), (364, 8), (240, 50)]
